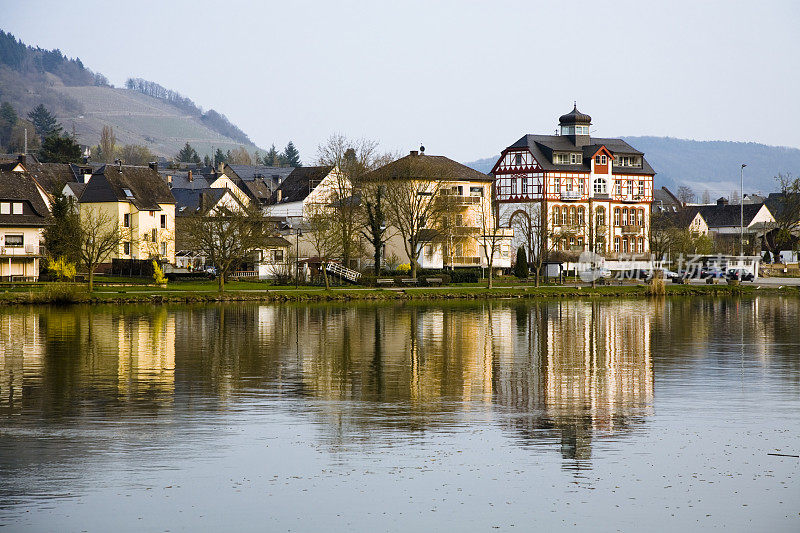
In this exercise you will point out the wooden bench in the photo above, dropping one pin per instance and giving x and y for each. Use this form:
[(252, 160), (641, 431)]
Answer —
[(384, 281), (409, 281), (433, 281)]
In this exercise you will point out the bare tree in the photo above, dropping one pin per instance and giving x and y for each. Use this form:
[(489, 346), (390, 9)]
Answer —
[(540, 233), (134, 154), (706, 197), (686, 195), (107, 143), (354, 201), (227, 237), (413, 204), (239, 156), (323, 234), (785, 209), (99, 236), (490, 235), (733, 198)]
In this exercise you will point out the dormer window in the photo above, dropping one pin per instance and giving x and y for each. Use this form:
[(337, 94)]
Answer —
[(518, 159), (128, 193)]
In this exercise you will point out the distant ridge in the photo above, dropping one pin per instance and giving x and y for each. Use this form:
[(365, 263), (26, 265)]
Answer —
[(706, 165)]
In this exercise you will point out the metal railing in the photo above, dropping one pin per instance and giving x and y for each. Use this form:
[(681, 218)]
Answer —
[(21, 251), (571, 195), (343, 272), (459, 260)]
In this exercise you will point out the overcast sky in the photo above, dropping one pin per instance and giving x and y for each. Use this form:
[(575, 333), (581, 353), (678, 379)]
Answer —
[(464, 78)]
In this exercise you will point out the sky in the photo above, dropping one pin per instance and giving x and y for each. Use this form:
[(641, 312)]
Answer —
[(464, 78)]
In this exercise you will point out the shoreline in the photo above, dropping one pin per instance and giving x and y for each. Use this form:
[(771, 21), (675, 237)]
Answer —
[(67, 294)]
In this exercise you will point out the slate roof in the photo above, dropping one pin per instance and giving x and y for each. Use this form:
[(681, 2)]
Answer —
[(108, 184), (50, 176), (543, 146), (430, 167), (19, 187), (258, 182), (300, 182), (663, 199), (718, 216), (191, 201), (77, 188), (277, 242), (180, 179)]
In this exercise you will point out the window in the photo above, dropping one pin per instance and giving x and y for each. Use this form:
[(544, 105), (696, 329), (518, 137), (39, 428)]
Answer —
[(616, 244), (518, 159), (164, 221), (126, 220), (564, 159), (640, 220), (568, 186), (154, 234), (572, 216), (601, 160), (524, 185), (582, 130), (580, 216), (632, 217), (625, 217), (576, 159), (163, 248), (152, 213), (600, 245), (624, 245), (459, 249), (277, 256), (618, 187), (629, 187), (126, 248), (513, 185), (429, 251), (558, 185), (580, 186), (128, 193), (641, 245), (556, 216), (641, 188), (476, 191), (616, 216), (5, 208), (15, 241), (599, 186), (571, 242), (567, 130), (17, 208), (601, 216)]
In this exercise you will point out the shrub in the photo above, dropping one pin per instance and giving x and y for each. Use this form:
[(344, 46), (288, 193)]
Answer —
[(158, 274), (404, 268), (368, 280), (61, 268), (465, 275)]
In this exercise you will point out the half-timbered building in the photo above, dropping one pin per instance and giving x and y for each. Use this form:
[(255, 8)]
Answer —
[(595, 193)]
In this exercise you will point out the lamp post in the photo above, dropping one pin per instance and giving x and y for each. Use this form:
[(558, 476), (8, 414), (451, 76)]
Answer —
[(741, 211), (297, 234)]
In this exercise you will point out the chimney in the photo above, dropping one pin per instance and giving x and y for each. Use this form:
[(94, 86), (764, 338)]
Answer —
[(153, 165), (22, 159), (190, 177), (118, 162), (169, 180), (279, 194), (722, 201), (414, 152)]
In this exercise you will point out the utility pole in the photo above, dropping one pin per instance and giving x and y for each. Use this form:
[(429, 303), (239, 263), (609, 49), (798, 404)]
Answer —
[(741, 211)]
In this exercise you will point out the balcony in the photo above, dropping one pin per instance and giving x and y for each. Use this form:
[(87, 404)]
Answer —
[(457, 199), (631, 230), (571, 195), (462, 260), (22, 251)]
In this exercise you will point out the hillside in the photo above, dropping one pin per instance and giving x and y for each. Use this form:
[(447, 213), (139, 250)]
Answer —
[(83, 101), (707, 165)]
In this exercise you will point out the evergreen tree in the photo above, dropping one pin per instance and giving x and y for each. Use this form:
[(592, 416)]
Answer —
[(57, 148), (206, 161), (188, 154), (271, 158), (290, 156), (44, 122), (8, 119), (62, 236), (521, 266), (219, 157)]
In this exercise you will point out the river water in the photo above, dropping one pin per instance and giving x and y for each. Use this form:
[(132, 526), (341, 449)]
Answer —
[(645, 415)]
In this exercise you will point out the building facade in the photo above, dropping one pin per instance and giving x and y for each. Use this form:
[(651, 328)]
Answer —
[(589, 193)]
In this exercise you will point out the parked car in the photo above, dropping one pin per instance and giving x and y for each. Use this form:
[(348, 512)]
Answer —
[(712, 272), (740, 274)]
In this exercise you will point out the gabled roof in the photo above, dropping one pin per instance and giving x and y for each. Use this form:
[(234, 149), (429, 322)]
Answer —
[(50, 176), (718, 216), (109, 183), (663, 199), (198, 201), (543, 146), (427, 167), (300, 182), (251, 172), (19, 187), (257, 181)]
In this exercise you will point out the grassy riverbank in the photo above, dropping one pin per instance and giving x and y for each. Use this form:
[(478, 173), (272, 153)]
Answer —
[(202, 291)]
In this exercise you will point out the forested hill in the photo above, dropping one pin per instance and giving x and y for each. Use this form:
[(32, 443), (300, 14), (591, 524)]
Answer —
[(707, 165), (144, 113)]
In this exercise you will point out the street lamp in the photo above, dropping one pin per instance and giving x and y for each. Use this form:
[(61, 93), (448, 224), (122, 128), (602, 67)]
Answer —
[(741, 211), (297, 234)]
